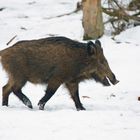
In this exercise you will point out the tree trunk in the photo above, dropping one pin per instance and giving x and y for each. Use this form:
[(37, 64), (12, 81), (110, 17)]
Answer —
[(92, 19)]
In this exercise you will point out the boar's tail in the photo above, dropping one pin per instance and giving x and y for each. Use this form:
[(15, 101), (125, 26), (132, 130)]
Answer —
[(0, 53), (0, 56)]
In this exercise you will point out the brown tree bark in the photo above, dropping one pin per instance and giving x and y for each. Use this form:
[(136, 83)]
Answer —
[(92, 19)]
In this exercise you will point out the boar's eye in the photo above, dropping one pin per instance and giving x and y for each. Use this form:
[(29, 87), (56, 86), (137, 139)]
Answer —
[(91, 48), (102, 61)]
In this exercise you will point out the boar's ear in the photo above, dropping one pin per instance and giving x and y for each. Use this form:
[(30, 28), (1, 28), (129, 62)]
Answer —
[(98, 43), (91, 48)]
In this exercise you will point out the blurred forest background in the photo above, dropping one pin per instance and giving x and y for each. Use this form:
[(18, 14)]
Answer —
[(119, 15)]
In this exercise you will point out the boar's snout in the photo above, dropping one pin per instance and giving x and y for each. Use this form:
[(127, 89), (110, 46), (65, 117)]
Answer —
[(113, 79)]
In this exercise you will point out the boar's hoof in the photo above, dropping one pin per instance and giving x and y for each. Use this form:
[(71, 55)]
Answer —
[(27, 102), (30, 106), (4, 103), (80, 108), (41, 106)]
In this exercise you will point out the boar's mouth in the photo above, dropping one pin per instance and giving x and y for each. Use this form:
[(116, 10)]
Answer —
[(106, 80)]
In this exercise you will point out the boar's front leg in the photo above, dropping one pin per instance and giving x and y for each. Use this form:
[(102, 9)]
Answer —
[(5, 95), (51, 89), (73, 89)]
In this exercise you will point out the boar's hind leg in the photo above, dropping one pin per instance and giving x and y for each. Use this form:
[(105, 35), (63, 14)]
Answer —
[(15, 86), (23, 98), (51, 89), (73, 89), (5, 94)]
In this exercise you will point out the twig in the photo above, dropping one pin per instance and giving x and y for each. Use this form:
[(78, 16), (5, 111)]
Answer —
[(118, 4), (1, 9), (78, 8), (67, 14), (137, 14), (11, 40)]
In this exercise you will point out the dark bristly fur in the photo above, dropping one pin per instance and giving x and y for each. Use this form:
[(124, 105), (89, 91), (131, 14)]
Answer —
[(53, 61)]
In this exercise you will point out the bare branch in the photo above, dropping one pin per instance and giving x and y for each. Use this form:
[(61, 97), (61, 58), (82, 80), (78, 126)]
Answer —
[(119, 16), (78, 8)]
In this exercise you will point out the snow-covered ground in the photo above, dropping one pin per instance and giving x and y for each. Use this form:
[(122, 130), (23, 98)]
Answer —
[(113, 113)]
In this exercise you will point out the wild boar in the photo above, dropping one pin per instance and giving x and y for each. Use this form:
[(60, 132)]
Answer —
[(53, 61)]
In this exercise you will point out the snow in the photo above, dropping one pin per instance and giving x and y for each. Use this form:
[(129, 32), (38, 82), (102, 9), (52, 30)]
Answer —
[(130, 36), (112, 112)]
